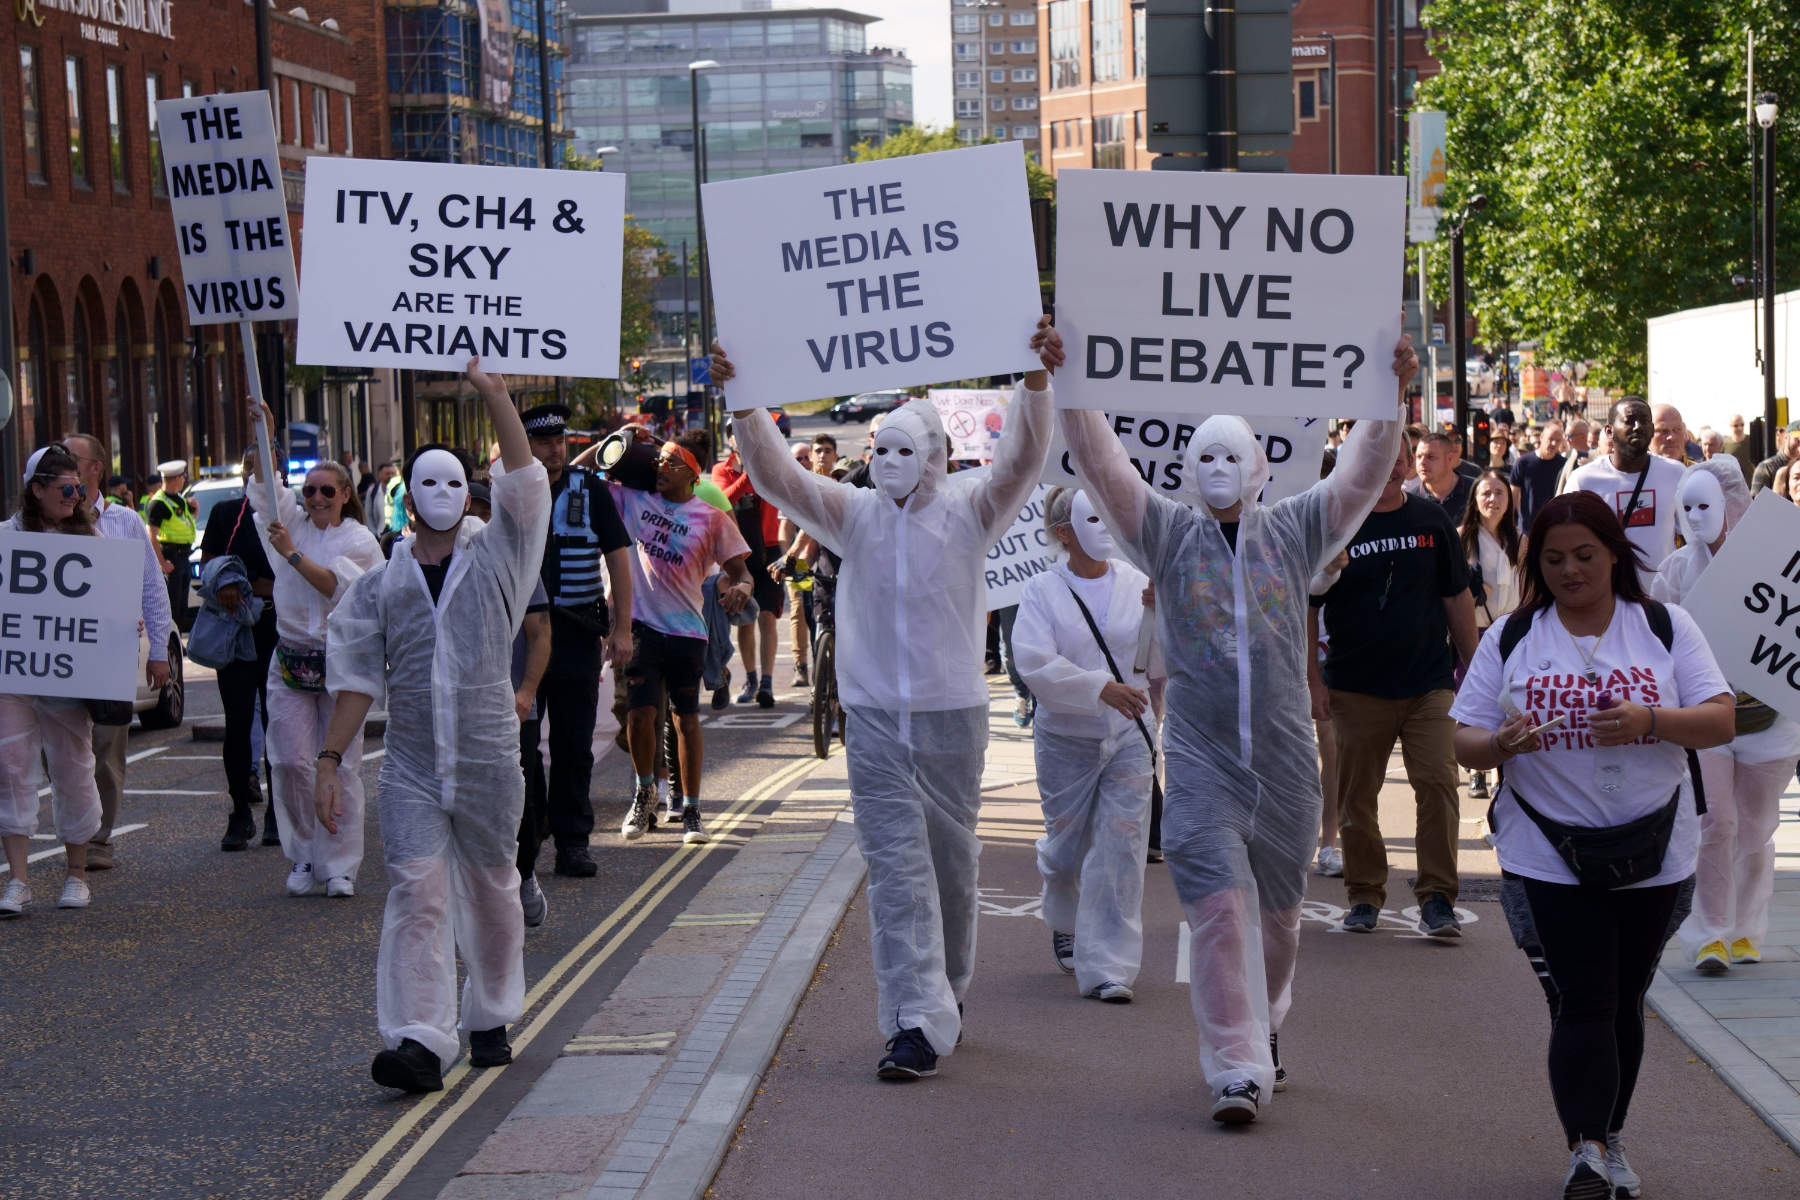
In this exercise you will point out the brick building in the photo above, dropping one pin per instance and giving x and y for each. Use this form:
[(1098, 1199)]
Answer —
[(99, 323), (1091, 63), (994, 52)]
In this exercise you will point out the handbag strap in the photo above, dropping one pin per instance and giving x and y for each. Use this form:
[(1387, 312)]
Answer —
[(1631, 504), (1112, 666)]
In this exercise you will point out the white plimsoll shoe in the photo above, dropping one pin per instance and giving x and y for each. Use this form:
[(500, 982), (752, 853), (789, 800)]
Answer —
[(1330, 862), (1112, 992), (15, 898), (339, 886), (75, 894), (300, 880)]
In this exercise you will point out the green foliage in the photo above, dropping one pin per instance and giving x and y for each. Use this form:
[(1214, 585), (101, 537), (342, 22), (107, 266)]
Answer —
[(1608, 137), (646, 260), (922, 139)]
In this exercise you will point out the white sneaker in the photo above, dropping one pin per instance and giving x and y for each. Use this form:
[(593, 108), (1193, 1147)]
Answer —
[(75, 894), (300, 880), (1112, 992), (16, 897), (1589, 1178), (340, 885), (532, 901), (1626, 1183), (1330, 862)]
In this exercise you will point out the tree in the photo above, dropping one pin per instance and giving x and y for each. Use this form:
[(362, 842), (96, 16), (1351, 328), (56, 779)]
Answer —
[(923, 139), (646, 261), (1608, 137)]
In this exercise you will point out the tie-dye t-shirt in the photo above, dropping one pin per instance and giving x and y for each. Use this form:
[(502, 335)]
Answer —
[(677, 547)]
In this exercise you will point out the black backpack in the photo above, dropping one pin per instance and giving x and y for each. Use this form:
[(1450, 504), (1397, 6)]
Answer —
[(1656, 614)]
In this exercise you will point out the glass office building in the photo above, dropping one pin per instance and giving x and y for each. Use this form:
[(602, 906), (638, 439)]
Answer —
[(795, 88)]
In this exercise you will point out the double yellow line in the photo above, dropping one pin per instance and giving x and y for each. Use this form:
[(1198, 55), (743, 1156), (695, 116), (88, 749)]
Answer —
[(559, 984)]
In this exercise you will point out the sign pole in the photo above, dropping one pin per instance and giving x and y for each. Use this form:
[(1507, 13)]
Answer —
[(247, 335)]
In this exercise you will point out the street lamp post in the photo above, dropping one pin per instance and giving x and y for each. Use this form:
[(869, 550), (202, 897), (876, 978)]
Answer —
[(1459, 321), (602, 152), (1766, 112), (694, 69)]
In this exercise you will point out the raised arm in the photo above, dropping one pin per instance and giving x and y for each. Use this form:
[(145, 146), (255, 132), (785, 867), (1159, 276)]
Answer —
[(818, 504), (1024, 442), (1365, 460), (515, 448)]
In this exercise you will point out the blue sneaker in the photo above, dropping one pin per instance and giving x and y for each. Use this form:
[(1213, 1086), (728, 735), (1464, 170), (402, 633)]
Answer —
[(909, 1056), (1362, 918)]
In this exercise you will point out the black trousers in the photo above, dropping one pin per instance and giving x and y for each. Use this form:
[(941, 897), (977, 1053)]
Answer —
[(177, 581), (1600, 950), (534, 823), (570, 703), (240, 684)]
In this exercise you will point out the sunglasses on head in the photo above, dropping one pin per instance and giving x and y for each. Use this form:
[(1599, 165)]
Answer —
[(327, 490)]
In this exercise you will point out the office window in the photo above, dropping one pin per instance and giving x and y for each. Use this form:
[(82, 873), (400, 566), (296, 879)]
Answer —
[(996, 47), (1137, 42), (997, 75), (995, 18), (1026, 47), (115, 126), (1024, 103), (78, 162), (1024, 74), (968, 49), (965, 23), (1055, 135), (1108, 53), (31, 114), (321, 119), (1109, 140), (349, 135), (997, 103), (1309, 99), (1024, 131), (1023, 17), (293, 112), (153, 93), (966, 134), (189, 89), (968, 108), (968, 79), (1137, 125), (1065, 44)]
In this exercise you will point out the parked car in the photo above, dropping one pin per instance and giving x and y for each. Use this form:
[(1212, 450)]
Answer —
[(868, 404), (161, 708)]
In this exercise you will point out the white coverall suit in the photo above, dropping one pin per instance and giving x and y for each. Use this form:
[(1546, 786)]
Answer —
[(451, 789), (1094, 769), (1734, 879), (911, 612), (1242, 798)]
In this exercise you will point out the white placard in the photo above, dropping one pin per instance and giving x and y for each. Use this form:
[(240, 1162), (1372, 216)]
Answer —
[(874, 275), (223, 176), (1295, 447), (1022, 553), (430, 264), (1747, 603), (973, 417), (69, 610), (1185, 293)]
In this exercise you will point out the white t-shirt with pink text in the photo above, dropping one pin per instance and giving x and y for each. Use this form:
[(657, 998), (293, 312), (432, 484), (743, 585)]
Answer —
[(677, 547), (1571, 779)]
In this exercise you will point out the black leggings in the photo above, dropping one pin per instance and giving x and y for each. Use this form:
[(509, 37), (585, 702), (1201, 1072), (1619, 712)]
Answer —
[(1601, 950)]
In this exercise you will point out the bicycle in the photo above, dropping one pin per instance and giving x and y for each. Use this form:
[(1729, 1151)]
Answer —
[(827, 715)]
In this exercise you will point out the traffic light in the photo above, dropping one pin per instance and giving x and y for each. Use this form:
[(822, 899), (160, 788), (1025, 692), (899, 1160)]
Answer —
[(1182, 54), (637, 364)]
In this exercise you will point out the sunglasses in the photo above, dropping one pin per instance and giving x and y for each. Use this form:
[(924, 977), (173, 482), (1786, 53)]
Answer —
[(327, 490), (72, 490)]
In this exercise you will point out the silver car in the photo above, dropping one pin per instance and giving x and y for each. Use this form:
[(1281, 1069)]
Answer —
[(161, 708)]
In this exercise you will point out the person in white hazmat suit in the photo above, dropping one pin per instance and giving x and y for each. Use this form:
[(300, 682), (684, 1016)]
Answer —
[(1734, 878), (432, 629), (1242, 797), (1092, 747), (911, 609)]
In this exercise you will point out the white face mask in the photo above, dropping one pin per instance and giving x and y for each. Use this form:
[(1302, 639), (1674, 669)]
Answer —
[(1091, 533), (1221, 479), (897, 464), (1704, 503), (440, 490)]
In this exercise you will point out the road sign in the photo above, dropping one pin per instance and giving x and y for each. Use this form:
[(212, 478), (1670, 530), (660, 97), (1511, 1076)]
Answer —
[(700, 371)]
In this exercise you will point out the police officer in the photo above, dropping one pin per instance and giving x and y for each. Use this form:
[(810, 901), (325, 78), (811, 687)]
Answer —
[(584, 531), (170, 515)]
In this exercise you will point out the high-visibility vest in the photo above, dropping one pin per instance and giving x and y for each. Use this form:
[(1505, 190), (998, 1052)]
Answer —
[(177, 526)]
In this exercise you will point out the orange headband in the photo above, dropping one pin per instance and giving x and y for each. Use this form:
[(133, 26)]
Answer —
[(686, 456)]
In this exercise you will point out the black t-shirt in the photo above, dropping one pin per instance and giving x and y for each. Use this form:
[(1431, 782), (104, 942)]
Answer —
[(220, 538), (602, 517), (434, 575), (1230, 530), (1389, 636), (1456, 503), (1536, 480)]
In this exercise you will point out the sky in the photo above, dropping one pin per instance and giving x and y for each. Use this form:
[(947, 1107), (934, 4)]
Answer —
[(922, 29)]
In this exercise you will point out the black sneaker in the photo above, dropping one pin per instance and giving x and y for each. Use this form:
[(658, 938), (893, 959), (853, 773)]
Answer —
[(1478, 787), (1237, 1104), (765, 695), (1062, 945), (576, 862), (489, 1047), (1437, 919), (909, 1056), (271, 834), (1153, 855), (692, 832), (721, 696), (639, 818), (1275, 1055), (238, 831), (409, 1067), (1362, 918)]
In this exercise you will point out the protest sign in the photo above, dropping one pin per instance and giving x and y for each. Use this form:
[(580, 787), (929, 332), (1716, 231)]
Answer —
[(1747, 603), (1295, 446), (1183, 292), (69, 609), (973, 417), (224, 183), (874, 275), (1022, 553), (412, 264)]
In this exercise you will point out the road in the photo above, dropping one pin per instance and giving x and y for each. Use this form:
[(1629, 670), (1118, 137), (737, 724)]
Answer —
[(197, 1032)]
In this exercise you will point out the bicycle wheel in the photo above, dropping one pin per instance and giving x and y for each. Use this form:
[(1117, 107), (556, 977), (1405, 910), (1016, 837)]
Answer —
[(824, 692)]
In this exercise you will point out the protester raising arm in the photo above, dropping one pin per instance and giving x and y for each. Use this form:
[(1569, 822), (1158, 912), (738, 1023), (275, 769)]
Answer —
[(1019, 455), (1365, 459), (509, 430), (817, 503)]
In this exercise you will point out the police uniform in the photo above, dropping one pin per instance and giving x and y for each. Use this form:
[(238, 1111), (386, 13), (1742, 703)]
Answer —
[(171, 519), (584, 529)]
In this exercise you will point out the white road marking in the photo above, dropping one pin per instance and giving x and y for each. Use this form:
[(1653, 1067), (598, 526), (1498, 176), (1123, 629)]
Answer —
[(990, 899), (1183, 947), (129, 758), (43, 854)]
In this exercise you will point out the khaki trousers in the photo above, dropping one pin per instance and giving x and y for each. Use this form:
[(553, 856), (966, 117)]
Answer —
[(1367, 728)]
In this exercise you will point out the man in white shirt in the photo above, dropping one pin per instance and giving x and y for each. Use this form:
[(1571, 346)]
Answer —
[(1639, 485), (117, 521)]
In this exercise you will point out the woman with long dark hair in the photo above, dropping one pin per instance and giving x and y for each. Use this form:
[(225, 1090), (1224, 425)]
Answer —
[(1491, 543), (1589, 695), (52, 729)]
